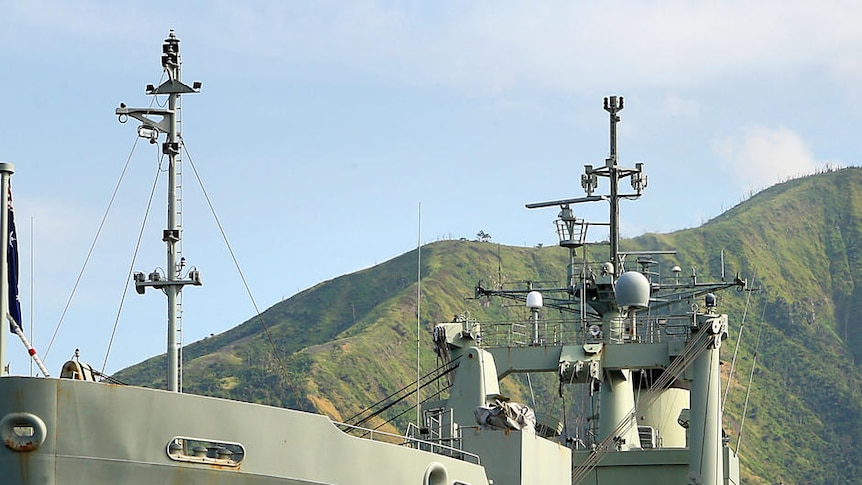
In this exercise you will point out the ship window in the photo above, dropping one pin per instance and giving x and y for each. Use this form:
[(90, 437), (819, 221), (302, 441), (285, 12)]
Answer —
[(205, 451), (23, 431)]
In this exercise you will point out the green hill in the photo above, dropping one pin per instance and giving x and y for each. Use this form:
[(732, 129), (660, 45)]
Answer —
[(346, 343)]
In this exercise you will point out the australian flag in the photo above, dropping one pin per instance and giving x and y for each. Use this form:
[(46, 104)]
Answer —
[(12, 261)]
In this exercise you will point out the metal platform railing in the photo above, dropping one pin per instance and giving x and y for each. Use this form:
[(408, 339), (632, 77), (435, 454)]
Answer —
[(376, 435), (646, 329)]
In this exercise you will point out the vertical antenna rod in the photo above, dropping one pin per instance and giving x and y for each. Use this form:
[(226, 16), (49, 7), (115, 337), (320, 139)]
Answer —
[(614, 105), (151, 128), (418, 316)]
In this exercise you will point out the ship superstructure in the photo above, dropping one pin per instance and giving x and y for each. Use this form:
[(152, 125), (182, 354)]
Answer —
[(653, 374), (645, 349)]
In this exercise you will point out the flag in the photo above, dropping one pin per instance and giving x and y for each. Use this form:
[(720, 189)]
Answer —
[(12, 267)]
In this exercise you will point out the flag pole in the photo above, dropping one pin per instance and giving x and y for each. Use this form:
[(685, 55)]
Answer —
[(34, 357), (6, 170)]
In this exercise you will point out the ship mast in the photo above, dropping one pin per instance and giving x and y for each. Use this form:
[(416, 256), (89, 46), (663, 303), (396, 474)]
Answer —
[(6, 171), (617, 391), (155, 122), (613, 105), (589, 181), (633, 342)]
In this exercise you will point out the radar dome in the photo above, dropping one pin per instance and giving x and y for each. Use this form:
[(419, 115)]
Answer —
[(534, 299), (632, 290), (711, 300)]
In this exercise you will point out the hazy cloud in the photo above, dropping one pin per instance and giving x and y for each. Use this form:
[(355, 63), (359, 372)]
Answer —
[(761, 156), (553, 44), (676, 105)]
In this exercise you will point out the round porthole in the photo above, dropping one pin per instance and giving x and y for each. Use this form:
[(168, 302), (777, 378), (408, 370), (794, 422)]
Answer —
[(22, 431)]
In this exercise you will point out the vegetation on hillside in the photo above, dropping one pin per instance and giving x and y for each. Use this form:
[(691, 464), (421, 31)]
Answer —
[(348, 342)]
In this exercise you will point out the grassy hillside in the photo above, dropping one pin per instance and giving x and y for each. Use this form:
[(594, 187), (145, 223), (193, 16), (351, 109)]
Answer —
[(346, 343), (800, 240)]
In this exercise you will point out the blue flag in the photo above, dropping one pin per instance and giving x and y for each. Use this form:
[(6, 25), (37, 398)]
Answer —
[(12, 264)]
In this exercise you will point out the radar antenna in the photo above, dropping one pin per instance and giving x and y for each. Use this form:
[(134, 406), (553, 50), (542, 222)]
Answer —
[(589, 181)]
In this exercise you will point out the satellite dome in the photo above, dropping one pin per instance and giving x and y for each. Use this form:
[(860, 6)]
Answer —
[(534, 300), (632, 290), (711, 300)]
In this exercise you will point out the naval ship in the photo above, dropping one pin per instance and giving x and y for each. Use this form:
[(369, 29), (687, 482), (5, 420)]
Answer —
[(641, 347)]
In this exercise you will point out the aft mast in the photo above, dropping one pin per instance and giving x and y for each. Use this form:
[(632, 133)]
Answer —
[(155, 122)]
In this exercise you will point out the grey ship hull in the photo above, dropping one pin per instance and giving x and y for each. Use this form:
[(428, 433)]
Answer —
[(99, 434)]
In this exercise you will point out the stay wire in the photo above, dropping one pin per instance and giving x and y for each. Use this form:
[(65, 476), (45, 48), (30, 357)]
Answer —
[(437, 373), (258, 313), (92, 247), (693, 349), (393, 403), (392, 395), (738, 342), (132, 263), (750, 379), (153, 100), (409, 409)]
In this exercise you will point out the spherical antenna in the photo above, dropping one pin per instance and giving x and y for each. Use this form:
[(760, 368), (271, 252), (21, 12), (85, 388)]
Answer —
[(534, 300), (632, 290), (711, 300)]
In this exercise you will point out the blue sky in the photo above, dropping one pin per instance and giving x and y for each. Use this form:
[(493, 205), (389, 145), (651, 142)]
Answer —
[(322, 126)]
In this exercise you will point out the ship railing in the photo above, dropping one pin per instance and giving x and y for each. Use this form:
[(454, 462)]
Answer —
[(644, 329), (445, 440), (520, 333), (409, 441), (661, 328)]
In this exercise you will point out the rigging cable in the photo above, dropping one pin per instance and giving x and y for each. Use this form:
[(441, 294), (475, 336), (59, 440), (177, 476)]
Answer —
[(449, 367), (132, 264), (92, 247), (532, 395), (98, 232), (693, 349), (411, 408), (738, 341), (259, 314), (750, 379), (393, 403)]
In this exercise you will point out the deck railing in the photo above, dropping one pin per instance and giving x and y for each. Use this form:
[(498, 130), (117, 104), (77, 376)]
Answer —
[(409, 441), (646, 329)]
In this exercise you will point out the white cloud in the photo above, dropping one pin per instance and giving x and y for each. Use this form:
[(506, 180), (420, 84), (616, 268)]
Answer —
[(572, 47), (552, 44), (761, 156), (678, 106)]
